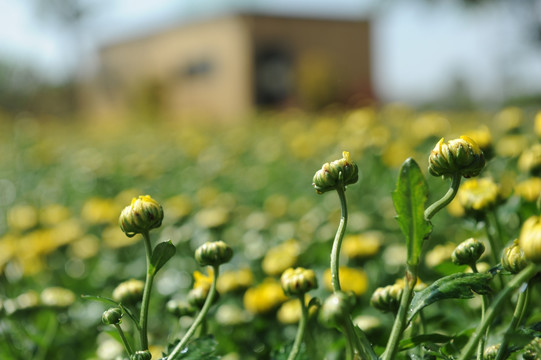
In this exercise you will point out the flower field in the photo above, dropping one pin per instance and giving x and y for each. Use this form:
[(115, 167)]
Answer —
[(63, 254)]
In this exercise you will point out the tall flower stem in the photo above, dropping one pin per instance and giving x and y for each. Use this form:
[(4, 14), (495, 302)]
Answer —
[(515, 321), (446, 199), (335, 252), (143, 320), (125, 341), (524, 276), (301, 329), (200, 317), (484, 306)]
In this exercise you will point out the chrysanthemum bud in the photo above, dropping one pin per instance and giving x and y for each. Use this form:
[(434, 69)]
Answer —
[(142, 215), (491, 352), (141, 355), (462, 156), (530, 239), (513, 259), (112, 316), (213, 253), (387, 298), (298, 281), (340, 172), (180, 308), (335, 309), (468, 252), (129, 292)]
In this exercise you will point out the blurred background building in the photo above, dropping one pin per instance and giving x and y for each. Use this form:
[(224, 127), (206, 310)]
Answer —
[(226, 66)]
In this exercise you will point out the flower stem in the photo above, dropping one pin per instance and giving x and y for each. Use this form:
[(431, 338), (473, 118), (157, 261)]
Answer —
[(515, 321), (335, 252), (300, 331), (401, 316), (200, 317), (143, 319), (524, 276), (127, 346), (446, 199)]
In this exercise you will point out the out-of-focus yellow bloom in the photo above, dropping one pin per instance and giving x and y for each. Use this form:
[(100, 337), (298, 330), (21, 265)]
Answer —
[(367, 323), (231, 281), (53, 214), (511, 145), (212, 217), (100, 211), (201, 280), (362, 246), (8, 248), (530, 160), (281, 257), (231, 315), (396, 152), (509, 119), (529, 189), (67, 231), (264, 297), (439, 254), (57, 297), (290, 311), (276, 205), (479, 195), (537, 124), (429, 124), (129, 292), (22, 217), (85, 247), (178, 207), (114, 238), (419, 284), (455, 208), (354, 280), (530, 239)]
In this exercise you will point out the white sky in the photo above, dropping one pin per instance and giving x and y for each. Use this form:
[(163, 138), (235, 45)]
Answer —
[(419, 47)]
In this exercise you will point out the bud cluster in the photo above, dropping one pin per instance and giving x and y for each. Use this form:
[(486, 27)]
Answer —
[(338, 173), (387, 298), (468, 252), (458, 156), (513, 259), (142, 215), (213, 253)]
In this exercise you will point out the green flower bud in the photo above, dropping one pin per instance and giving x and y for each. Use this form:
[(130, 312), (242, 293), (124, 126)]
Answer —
[(141, 216), (387, 298), (530, 239), (462, 156), (468, 252), (298, 281), (213, 253), (513, 259), (141, 355), (129, 292), (340, 172), (491, 352), (531, 351), (179, 308), (336, 309), (112, 316)]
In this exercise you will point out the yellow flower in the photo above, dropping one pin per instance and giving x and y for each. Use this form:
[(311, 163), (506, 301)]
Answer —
[(530, 160), (439, 254), (362, 245), (57, 297), (483, 138), (22, 217), (100, 211), (354, 280), (530, 239), (290, 311), (511, 145), (529, 189), (201, 280), (281, 257), (478, 195), (53, 214), (264, 297), (231, 281), (178, 207)]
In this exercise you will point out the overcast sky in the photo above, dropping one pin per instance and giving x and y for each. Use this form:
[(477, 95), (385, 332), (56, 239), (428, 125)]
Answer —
[(420, 47)]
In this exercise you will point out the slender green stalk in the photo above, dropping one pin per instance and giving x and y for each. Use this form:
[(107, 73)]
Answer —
[(200, 317), (524, 276), (335, 252), (401, 316), (446, 199), (127, 346), (495, 248), (143, 318), (515, 321), (300, 330)]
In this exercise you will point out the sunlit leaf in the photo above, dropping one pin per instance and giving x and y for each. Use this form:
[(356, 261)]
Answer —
[(161, 255), (409, 200)]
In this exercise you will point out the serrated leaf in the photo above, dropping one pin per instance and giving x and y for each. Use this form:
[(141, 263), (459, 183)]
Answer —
[(455, 286), (434, 338), (161, 254), (409, 200), (197, 349)]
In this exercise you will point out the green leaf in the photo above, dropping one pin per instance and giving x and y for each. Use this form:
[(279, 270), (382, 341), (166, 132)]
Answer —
[(423, 339), (455, 286), (409, 200), (161, 254), (200, 348)]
